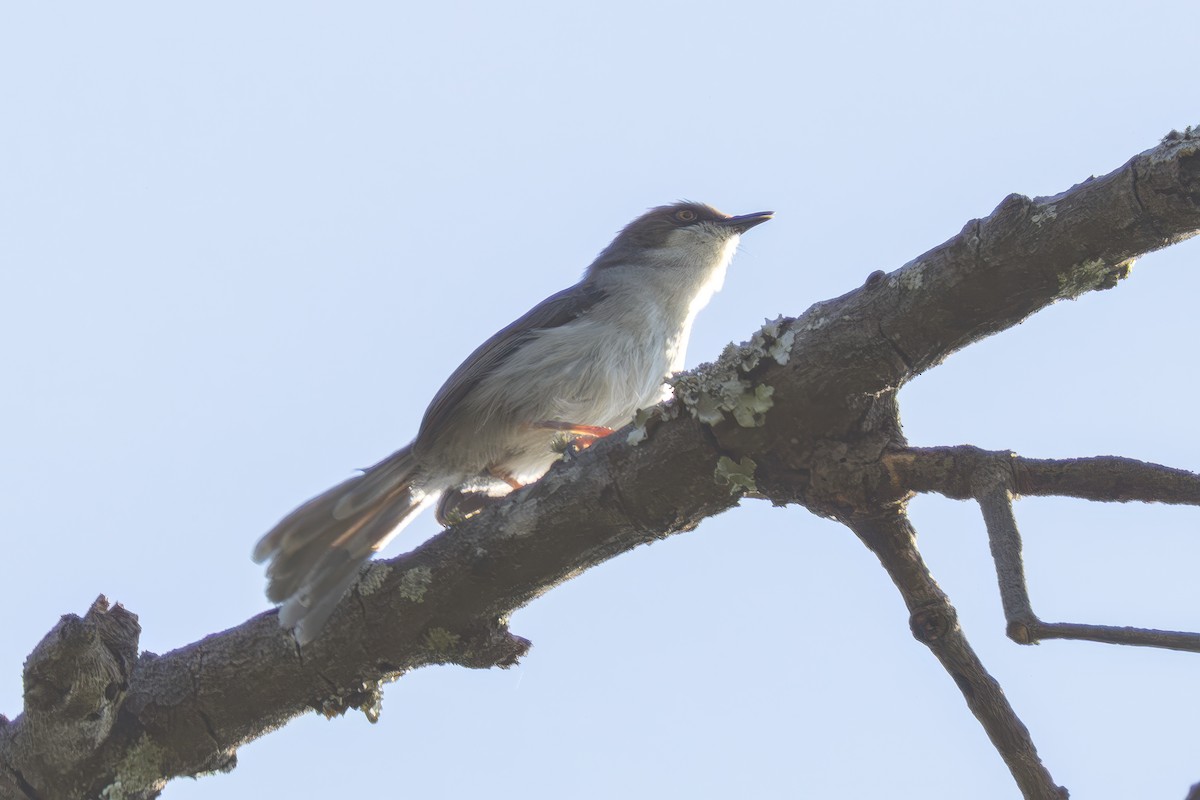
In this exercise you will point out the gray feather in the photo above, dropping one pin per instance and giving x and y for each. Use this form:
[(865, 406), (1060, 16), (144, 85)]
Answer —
[(316, 550), (553, 312)]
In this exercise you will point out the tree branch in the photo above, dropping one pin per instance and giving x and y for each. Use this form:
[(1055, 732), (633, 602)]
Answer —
[(934, 622), (805, 413), (993, 477), (951, 471)]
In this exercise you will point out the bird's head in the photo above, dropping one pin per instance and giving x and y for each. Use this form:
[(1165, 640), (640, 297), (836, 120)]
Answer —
[(687, 230), (681, 248)]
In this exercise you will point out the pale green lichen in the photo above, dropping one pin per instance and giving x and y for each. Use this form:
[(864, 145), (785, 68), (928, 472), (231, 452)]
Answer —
[(372, 707), (414, 583), (1090, 276), (520, 518), (1176, 136), (772, 340), (911, 277), (140, 770), (372, 576), (717, 391), (440, 640), (642, 417), (709, 400), (737, 475), (812, 320), (1185, 137), (1047, 213), (367, 698), (781, 348), (751, 406)]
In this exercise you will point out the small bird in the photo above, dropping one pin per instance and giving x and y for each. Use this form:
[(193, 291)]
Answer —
[(576, 366)]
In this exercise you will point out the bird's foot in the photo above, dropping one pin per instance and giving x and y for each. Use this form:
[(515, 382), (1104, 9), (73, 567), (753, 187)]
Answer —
[(582, 436)]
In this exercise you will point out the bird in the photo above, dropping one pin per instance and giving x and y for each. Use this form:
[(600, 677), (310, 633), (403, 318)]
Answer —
[(574, 368)]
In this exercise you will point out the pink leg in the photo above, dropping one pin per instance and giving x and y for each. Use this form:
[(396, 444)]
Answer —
[(584, 434)]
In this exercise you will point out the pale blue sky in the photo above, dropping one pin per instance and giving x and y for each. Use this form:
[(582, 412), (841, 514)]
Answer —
[(241, 245)]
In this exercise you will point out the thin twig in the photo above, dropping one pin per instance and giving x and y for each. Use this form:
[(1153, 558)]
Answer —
[(1005, 541), (1112, 634)]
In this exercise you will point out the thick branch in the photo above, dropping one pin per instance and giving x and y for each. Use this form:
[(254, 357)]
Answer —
[(188, 710), (1030, 253), (802, 414), (75, 681)]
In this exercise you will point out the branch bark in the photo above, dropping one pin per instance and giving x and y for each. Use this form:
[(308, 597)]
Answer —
[(953, 471), (993, 478), (803, 413), (934, 622)]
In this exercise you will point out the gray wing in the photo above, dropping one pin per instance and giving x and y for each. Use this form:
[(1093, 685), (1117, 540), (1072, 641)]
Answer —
[(556, 310)]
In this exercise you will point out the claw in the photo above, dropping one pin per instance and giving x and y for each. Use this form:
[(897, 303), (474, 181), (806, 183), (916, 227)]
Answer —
[(499, 474), (584, 435)]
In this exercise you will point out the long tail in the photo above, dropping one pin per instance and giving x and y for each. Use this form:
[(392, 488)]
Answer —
[(316, 550)]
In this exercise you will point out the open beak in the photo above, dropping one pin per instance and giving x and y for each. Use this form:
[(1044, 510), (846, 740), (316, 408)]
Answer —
[(745, 222)]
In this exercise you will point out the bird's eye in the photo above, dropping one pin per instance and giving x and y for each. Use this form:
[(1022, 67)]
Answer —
[(685, 215)]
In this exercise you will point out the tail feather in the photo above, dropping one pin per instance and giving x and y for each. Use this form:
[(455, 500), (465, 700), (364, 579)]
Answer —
[(315, 552)]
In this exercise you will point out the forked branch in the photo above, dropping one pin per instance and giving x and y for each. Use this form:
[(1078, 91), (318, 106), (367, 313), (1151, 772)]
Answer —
[(994, 478)]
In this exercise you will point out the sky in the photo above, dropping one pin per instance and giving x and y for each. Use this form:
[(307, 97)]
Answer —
[(242, 245)]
